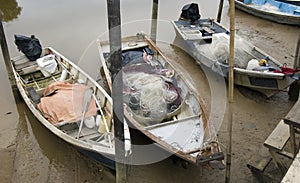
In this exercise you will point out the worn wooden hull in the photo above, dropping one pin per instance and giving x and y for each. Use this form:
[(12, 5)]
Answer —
[(275, 16), (27, 74), (186, 131), (197, 40)]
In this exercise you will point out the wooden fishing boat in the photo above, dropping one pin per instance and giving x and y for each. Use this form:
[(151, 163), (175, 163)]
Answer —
[(207, 42), (159, 102), (68, 102), (280, 11)]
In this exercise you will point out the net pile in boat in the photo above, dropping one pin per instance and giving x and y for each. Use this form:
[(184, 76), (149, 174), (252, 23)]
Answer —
[(150, 96)]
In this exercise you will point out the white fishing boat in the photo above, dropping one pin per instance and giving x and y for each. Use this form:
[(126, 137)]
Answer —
[(68, 102), (207, 42), (160, 102)]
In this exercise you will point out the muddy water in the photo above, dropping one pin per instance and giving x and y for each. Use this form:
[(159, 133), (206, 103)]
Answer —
[(71, 27)]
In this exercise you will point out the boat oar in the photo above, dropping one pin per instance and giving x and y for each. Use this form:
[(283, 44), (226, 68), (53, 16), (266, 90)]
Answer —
[(86, 102)]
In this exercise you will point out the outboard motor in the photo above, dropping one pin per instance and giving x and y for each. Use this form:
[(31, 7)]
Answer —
[(190, 12)]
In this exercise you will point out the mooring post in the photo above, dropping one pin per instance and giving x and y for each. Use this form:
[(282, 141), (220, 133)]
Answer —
[(220, 11), (5, 52), (114, 23), (295, 87), (297, 56), (154, 20), (230, 92)]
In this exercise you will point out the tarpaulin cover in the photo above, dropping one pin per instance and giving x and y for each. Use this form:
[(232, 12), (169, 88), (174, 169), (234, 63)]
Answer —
[(66, 104)]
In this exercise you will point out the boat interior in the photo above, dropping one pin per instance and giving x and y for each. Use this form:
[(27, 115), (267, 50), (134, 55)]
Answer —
[(34, 82), (212, 40)]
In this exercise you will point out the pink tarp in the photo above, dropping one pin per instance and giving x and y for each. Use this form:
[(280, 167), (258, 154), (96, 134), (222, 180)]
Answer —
[(66, 104)]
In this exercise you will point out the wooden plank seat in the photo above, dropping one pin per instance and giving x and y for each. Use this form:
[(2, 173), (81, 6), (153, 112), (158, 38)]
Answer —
[(258, 162), (259, 165), (292, 175), (276, 142), (279, 137), (292, 119), (24, 65)]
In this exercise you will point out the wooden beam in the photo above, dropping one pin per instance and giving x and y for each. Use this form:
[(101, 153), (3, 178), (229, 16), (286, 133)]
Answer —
[(154, 20), (5, 51), (114, 23), (230, 91), (220, 11), (297, 55)]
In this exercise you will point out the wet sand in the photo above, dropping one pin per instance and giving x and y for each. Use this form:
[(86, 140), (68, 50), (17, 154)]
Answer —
[(38, 156)]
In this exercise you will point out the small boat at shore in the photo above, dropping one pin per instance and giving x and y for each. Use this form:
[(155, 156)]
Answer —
[(279, 11), (207, 42), (68, 102), (160, 103)]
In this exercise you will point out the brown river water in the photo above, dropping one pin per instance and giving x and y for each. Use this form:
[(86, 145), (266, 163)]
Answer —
[(72, 27)]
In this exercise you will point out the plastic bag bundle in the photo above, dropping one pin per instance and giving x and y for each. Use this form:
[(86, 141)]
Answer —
[(30, 46)]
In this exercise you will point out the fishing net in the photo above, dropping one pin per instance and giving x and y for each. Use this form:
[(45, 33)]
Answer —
[(218, 50), (149, 96)]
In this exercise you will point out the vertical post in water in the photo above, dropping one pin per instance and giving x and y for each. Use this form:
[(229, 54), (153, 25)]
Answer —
[(295, 87), (220, 11), (114, 23), (230, 91), (154, 20), (5, 52), (297, 56)]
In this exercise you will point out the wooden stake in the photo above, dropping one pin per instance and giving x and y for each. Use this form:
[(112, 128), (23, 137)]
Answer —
[(297, 56), (220, 11), (230, 90), (114, 23), (154, 20), (5, 52), (295, 87)]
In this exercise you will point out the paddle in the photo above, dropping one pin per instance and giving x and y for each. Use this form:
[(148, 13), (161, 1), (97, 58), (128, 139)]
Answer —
[(86, 101)]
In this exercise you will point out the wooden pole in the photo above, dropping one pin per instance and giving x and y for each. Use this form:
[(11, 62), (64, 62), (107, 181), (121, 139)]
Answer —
[(114, 23), (5, 51), (220, 11), (295, 87), (154, 20), (297, 56), (230, 90)]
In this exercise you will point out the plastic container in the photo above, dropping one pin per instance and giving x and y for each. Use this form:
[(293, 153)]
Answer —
[(89, 122), (102, 127), (63, 75)]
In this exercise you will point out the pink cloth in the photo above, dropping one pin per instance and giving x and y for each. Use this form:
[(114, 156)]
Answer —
[(66, 104)]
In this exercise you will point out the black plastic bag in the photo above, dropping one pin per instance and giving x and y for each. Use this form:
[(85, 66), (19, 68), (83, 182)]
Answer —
[(30, 46), (190, 12)]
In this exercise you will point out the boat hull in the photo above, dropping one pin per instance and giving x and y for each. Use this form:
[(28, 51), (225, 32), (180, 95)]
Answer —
[(98, 152), (180, 132), (282, 18), (268, 83)]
